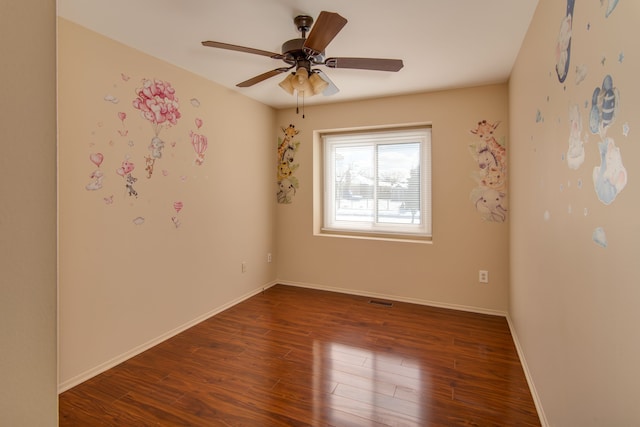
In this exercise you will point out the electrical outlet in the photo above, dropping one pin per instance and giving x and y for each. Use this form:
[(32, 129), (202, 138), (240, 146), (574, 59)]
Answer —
[(244, 266), (269, 258), (483, 276)]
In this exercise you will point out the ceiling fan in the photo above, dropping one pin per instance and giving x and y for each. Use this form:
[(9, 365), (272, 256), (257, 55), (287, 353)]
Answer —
[(306, 52)]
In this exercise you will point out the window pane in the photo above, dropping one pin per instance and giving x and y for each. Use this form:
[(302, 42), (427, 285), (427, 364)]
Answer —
[(354, 183), (399, 183)]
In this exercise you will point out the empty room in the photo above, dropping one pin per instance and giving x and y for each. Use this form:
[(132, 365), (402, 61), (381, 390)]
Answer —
[(361, 213)]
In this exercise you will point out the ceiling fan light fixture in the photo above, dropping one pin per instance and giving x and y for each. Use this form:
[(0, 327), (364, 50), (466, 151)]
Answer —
[(287, 84), (318, 84), (298, 82), (301, 81), (302, 75)]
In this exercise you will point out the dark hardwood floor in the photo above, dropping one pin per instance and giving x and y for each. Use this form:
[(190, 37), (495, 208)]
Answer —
[(299, 357)]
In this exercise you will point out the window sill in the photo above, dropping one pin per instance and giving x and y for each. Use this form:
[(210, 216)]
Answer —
[(387, 237)]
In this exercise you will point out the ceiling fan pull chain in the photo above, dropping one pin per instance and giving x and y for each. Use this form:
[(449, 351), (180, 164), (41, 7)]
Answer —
[(298, 103)]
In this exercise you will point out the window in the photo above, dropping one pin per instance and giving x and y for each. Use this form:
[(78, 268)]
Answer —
[(378, 182)]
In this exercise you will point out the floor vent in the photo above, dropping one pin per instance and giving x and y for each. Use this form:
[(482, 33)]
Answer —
[(382, 303)]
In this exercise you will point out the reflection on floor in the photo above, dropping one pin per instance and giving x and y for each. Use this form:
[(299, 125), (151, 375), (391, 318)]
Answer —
[(296, 357)]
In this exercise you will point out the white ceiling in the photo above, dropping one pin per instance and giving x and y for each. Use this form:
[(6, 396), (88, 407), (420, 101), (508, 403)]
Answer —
[(443, 43)]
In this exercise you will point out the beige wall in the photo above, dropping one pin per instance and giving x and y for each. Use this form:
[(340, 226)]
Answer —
[(444, 272), (28, 359), (127, 283), (574, 302)]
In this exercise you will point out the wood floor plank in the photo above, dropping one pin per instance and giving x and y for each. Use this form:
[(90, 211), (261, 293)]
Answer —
[(301, 357)]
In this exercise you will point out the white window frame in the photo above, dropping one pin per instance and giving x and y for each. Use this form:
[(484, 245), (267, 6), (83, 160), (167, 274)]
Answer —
[(375, 137)]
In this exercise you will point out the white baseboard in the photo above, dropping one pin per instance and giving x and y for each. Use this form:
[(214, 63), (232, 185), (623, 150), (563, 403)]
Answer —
[(78, 379), (527, 374), (479, 310)]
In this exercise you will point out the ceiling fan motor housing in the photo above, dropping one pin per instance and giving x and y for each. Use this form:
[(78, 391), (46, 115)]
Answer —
[(293, 53)]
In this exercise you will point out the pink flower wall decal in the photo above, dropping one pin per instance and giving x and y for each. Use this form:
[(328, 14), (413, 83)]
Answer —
[(158, 104)]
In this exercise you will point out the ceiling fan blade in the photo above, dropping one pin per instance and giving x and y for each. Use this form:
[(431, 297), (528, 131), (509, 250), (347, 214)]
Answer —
[(237, 48), (262, 77), (332, 89), (327, 26), (379, 64)]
